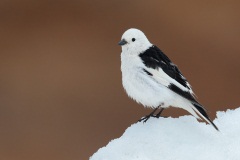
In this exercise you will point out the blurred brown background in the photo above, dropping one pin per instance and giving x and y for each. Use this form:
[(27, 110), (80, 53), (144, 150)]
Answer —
[(61, 95)]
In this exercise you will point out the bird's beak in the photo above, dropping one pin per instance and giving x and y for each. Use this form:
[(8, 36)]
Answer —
[(122, 42)]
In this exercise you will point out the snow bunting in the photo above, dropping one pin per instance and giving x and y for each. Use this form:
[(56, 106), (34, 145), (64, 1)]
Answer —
[(150, 78)]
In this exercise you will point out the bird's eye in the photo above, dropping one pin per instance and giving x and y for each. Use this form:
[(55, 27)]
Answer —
[(133, 39)]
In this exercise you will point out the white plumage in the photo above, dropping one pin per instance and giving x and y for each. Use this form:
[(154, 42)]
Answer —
[(150, 78)]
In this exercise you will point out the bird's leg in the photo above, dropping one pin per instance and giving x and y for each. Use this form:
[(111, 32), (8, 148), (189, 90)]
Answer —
[(159, 113), (148, 116)]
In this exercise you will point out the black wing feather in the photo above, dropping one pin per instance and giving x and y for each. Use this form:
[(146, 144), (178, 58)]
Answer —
[(154, 58)]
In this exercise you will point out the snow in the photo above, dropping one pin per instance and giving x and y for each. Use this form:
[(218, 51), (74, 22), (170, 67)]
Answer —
[(182, 138)]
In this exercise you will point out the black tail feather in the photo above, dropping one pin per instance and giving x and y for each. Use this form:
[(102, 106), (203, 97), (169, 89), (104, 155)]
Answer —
[(203, 113)]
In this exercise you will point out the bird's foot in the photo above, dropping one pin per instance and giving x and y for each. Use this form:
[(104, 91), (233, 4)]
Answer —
[(145, 119)]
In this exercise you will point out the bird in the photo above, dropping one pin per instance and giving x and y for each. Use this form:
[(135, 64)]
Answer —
[(150, 78)]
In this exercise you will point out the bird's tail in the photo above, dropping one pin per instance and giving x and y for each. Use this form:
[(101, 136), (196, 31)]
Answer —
[(201, 111)]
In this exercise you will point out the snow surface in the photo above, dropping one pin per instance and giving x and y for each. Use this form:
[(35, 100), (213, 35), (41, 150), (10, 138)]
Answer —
[(182, 138)]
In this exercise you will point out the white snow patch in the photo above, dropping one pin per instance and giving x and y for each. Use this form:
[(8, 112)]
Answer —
[(182, 138)]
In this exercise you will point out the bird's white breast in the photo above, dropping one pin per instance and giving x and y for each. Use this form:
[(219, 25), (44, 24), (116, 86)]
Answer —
[(140, 86)]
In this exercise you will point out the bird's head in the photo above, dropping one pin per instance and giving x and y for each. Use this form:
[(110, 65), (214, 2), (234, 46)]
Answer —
[(134, 42)]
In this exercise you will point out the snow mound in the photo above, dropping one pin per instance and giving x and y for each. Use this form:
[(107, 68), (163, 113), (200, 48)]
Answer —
[(182, 138)]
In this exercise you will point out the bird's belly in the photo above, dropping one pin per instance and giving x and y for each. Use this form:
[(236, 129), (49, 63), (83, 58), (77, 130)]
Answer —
[(146, 91)]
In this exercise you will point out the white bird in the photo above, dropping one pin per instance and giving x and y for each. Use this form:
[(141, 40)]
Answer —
[(150, 78)]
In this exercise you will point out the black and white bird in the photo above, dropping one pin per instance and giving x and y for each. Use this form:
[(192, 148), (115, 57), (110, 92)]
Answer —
[(150, 78)]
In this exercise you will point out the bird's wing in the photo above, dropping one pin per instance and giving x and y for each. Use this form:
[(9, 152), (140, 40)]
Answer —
[(165, 72)]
